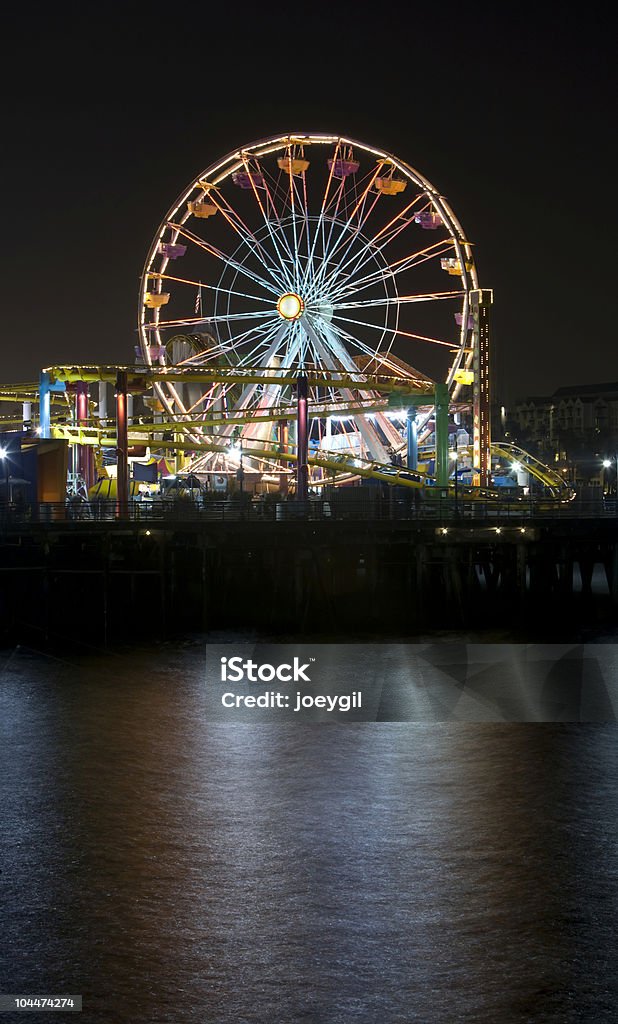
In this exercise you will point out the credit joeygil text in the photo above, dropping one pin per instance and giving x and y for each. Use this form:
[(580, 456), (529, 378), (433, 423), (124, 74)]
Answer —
[(237, 670), (273, 699)]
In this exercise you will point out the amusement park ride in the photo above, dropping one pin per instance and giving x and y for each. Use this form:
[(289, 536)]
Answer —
[(286, 302)]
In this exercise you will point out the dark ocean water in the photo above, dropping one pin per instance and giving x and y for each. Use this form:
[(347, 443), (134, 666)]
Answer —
[(173, 869)]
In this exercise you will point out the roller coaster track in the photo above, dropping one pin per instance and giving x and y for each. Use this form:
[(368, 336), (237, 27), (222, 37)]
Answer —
[(351, 467), (316, 377), (347, 468), (550, 478)]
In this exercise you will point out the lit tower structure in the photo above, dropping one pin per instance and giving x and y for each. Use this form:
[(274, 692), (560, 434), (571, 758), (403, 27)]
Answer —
[(481, 301)]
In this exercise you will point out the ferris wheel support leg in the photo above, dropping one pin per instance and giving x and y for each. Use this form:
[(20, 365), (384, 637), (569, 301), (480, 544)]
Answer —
[(411, 440), (84, 452), (122, 471), (46, 386), (282, 431), (302, 440), (103, 403), (45, 404), (442, 464)]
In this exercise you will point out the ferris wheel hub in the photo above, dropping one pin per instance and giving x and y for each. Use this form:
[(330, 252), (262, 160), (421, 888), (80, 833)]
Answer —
[(290, 306)]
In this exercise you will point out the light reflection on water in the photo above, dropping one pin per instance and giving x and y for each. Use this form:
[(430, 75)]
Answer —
[(172, 869)]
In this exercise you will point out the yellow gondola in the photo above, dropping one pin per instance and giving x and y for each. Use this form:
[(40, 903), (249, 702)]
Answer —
[(390, 186), (202, 209), (156, 299), (387, 184), (453, 266), (292, 165)]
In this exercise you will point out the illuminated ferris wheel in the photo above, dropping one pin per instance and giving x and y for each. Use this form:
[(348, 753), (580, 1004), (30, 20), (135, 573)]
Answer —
[(306, 253)]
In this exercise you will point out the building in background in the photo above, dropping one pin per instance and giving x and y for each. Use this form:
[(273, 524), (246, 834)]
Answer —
[(576, 427)]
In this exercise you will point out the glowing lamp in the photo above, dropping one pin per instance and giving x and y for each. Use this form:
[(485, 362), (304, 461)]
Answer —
[(290, 306)]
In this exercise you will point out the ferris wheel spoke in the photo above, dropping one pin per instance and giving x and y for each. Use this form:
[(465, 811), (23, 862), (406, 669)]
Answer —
[(250, 389), (254, 353), (279, 237), (270, 332), (395, 331), (229, 261), (350, 339), (366, 429), (358, 260), (280, 192), (311, 245), (208, 400), (394, 269), (325, 276), (400, 221), (331, 250), (163, 324), (388, 233), (227, 317), (174, 395), (216, 394), (290, 348), (379, 357), (259, 350), (225, 297), (222, 318), (328, 216), (243, 402), (285, 281), (208, 287), (399, 300), (305, 209), (321, 348), (293, 204), (335, 338), (248, 237), (331, 214), (223, 348), (282, 235)]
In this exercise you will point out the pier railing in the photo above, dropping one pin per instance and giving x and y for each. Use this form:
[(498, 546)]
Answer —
[(342, 507)]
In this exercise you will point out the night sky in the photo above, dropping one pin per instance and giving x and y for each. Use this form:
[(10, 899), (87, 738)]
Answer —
[(511, 115)]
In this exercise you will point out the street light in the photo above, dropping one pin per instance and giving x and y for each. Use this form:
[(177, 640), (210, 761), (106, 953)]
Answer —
[(607, 463), (4, 455)]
